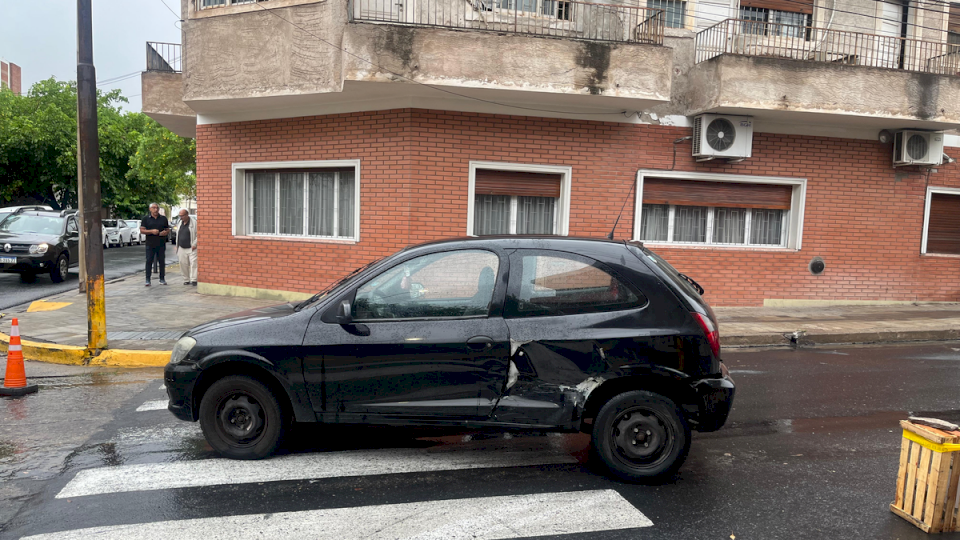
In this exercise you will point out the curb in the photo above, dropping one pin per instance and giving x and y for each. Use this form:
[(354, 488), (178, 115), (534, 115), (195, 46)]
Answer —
[(801, 339), (80, 356)]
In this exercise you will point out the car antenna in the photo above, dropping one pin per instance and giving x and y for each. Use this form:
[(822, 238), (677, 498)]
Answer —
[(615, 223)]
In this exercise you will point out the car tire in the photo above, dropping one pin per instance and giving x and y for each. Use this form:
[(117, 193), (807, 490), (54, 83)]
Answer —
[(241, 418), (637, 418), (58, 272)]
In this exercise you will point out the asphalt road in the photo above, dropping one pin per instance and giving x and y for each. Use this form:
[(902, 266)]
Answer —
[(810, 451), (117, 262)]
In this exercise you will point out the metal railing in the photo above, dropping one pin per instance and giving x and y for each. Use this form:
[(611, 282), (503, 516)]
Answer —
[(164, 57), (207, 4), (554, 18), (756, 38)]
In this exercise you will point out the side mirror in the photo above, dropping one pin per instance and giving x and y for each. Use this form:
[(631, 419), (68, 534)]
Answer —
[(73, 234), (344, 313)]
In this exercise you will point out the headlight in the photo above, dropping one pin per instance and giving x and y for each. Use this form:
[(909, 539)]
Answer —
[(181, 349), (39, 249)]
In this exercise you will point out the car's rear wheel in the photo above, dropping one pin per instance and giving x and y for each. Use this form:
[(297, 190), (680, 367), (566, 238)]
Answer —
[(241, 418), (641, 436), (58, 272)]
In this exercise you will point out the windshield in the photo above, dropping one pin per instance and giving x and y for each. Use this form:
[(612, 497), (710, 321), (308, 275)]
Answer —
[(323, 292), (111, 223), (32, 224), (4, 214)]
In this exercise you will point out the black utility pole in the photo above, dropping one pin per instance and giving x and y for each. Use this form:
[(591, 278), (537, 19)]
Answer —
[(88, 177)]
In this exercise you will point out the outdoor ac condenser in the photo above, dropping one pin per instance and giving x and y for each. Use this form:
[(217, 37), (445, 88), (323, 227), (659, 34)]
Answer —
[(722, 136), (917, 148)]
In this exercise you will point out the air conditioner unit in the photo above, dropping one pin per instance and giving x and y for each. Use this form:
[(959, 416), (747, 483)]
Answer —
[(917, 147), (722, 136)]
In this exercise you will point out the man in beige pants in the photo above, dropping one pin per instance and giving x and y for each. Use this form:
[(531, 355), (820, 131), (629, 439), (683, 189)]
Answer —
[(187, 248)]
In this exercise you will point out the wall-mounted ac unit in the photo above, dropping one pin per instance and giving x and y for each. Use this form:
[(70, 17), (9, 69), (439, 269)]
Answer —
[(722, 136), (917, 147)]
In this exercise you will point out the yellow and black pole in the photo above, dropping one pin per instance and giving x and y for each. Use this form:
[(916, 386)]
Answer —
[(88, 177)]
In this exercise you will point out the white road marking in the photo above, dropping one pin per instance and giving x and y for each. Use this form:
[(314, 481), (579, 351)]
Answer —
[(212, 472), (156, 405), (512, 516)]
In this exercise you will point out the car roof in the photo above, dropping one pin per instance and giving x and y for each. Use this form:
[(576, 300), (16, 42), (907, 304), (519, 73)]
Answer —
[(42, 213), (559, 243)]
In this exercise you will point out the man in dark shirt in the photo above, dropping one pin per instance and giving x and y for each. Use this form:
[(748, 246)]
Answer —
[(156, 228)]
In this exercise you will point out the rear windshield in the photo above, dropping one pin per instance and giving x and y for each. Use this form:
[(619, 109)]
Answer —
[(686, 289)]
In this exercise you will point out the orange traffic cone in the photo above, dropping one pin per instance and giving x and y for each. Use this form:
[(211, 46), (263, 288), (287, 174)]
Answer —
[(15, 382)]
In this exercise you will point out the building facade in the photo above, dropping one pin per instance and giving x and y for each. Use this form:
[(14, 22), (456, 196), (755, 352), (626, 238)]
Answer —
[(752, 144), (10, 76)]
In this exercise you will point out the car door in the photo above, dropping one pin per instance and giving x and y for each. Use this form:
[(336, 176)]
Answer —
[(73, 240), (571, 319), (427, 341)]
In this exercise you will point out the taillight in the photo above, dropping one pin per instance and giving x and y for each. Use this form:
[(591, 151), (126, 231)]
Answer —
[(712, 333)]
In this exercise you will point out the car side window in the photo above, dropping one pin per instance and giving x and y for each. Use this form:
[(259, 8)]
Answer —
[(566, 284), (440, 285), (72, 226)]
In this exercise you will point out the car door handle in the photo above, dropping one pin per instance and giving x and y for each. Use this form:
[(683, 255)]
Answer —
[(480, 342)]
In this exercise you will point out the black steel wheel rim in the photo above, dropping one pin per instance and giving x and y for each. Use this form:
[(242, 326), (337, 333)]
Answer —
[(62, 268), (240, 417), (641, 437)]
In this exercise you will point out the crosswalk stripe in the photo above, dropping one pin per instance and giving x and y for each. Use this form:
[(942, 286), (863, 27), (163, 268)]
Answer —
[(155, 405), (513, 516), (212, 472)]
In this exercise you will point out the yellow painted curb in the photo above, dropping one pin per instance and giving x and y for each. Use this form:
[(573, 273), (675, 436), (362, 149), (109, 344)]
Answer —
[(43, 305), (79, 356), (129, 358), (48, 352)]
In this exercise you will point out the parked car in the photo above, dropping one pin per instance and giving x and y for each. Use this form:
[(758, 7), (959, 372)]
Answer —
[(4, 212), (36, 241), (118, 232), (509, 333), (174, 224), (137, 236)]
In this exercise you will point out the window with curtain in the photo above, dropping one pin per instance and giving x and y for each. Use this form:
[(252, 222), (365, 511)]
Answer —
[(724, 213), (674, 11), (953, 27), (510, 202), (320, 203), (785, 18)]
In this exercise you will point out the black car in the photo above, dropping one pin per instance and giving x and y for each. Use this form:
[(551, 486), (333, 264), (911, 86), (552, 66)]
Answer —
[(506, 333), (33, 242)]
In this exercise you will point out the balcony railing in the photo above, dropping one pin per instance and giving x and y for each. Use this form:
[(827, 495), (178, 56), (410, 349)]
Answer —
[(164, 57), (553, 18), (754, 38)]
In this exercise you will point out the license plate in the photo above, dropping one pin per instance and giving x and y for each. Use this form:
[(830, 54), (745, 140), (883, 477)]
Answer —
[(8, 260)]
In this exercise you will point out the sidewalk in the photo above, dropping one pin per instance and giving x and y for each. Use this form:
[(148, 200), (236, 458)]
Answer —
[(143, 323)]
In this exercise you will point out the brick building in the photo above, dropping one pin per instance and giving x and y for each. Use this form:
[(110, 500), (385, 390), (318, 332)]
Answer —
[(10, 76), (333, 133)]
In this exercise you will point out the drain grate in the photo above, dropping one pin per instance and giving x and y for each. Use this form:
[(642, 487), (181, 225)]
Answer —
[(173, 334)]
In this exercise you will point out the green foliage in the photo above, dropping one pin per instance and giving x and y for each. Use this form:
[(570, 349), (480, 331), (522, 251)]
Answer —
[(140, 161)]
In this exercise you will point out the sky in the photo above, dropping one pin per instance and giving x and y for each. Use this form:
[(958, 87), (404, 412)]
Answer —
[(40, 36)]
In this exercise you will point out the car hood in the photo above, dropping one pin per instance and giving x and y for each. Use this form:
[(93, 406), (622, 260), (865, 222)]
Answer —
[(26, 238), (244, 317)]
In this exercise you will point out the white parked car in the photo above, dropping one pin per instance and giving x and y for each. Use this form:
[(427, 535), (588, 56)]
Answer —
[(137, 236), (118, 232)]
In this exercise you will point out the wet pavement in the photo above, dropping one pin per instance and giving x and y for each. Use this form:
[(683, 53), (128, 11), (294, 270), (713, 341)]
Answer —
[(810, 451)]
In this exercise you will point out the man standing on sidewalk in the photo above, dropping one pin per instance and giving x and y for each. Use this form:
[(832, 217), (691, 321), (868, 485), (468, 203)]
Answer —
[(156, 228), (187, 248)]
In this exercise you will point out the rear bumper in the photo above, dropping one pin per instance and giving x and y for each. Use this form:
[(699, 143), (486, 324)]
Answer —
[(714, 401), (180, 380)]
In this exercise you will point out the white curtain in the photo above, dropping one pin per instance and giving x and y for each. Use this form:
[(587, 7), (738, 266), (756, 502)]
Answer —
[(535, 215), (291, 203), (491, 215), (729, 225), (765, 227), (320, 220), (654, 221), (690, 224), (346, 204), (264, 202)]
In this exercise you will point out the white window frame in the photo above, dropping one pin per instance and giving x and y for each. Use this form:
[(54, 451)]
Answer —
[(926, 217), (242, 214), (791, 229), (562, 214)]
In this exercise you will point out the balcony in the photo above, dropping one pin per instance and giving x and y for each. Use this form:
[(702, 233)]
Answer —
[(162, 89), (782, 74)]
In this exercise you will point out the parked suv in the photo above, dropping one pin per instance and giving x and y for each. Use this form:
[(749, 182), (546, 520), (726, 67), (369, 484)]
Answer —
[(507, 333), (36, 241)]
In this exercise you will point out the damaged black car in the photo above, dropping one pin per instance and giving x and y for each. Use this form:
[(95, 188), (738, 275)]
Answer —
[(505, 333)]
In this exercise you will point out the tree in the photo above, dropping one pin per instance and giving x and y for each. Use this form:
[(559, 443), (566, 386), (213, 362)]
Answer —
[(140, 161)]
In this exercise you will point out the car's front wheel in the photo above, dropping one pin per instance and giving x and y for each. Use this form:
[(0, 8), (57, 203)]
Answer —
[(641, 436), (241, 418), (58, 272)]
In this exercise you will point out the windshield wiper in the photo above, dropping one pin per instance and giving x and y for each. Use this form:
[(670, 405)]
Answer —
[(327, 289), (692, 282)]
